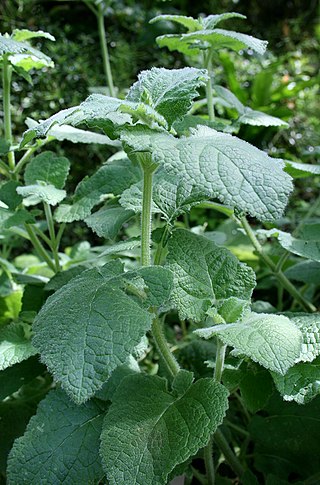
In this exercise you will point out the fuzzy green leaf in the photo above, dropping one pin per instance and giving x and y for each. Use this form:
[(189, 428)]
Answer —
[(10, 46), (204, 273), (8, 194), (93, 323), (271, 340), (169, 91), (300, 170), (305, 246), (33, 194), (108, 221), (24, 34), (143, 412), (189, 22), (301, 383), (222, 166), (15, 344), (49, 168), (111, 178), (310, 329), (306, 272), (60, 445)]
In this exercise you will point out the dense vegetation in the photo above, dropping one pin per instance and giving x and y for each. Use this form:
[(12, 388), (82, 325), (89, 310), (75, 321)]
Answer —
[(160, 257)]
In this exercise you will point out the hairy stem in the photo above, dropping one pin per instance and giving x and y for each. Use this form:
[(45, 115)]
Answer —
[(146, 214), (6, 80), (104, 51), (163, 348), (303, 302)]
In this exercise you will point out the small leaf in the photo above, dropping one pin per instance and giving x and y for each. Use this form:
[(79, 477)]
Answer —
[(169, 91), (301, 383), (24, 34), (258, 118), (212, 20), (15, 344), (189, 22), (60, 445), (144, 412), (233, 309), (47, 167), (108, 221), (204, 273), (271, 340), (33, 194)]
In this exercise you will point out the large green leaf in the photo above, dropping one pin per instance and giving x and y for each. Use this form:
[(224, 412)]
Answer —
[(306, 272), (307, 245), (15, 344), (169, 91), (112, 178), (10, 46), (221, 165), (271, 340), (301, 383), (149, 430), (60, 445), (204, 273), (93, 323), (47, 167)]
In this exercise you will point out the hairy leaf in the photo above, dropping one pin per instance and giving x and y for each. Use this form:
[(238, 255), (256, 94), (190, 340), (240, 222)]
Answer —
[(169, 91), (15, 344), (24, 34), (107, 221), (47, 167), (271, 340), (60, 445), (33, 194), (111, 178), (143, 412), (204, 273), (310, 328), (93, 323), (307, 247)]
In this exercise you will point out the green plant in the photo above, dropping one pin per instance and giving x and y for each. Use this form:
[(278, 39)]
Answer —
[(107, 418)]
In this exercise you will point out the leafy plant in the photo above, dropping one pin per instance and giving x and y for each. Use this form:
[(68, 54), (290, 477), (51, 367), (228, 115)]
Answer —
[(108, 418)]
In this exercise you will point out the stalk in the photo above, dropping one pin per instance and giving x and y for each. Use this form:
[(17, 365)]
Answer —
[(227, 452), (38, 247), (104, 51), (146, 214), (207, 65), (6, 79), (52, 234), (163, 348), (304, 303), (207, 453)]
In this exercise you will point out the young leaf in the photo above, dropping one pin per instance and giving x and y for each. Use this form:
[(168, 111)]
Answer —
[(301, 383), (143, 412), (221, 165), (107, 221), (24, 34), (92, 324), (203, 274), (169, 91), (112, 178), (33, 194), (271, 340), (49, 168), (189, 22), (60, 445), (15, 344)]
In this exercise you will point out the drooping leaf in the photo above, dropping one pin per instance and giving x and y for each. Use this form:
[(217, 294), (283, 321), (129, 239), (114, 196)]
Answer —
[(33, 194), (300, 170), (111, 178), (204, 273), (143, 412), (271, 340), (93, 323), (301, 383), (24, 34), (10, 46), (189, 22), (23, 63), (306, 272), (108, 221), (15, 344), (75, 135), (221, 165), (47, 167), (169, 91), (307, 247), (60, 445)]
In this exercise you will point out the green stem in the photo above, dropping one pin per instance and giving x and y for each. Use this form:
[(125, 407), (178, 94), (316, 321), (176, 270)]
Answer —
[(159, 252), (207, 453), (52, 233), (25, 158), (207, 65), (38, 247), (104, 51), (163, 348), (6, 79), (308, 306), (227, 452), (146, 214)]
